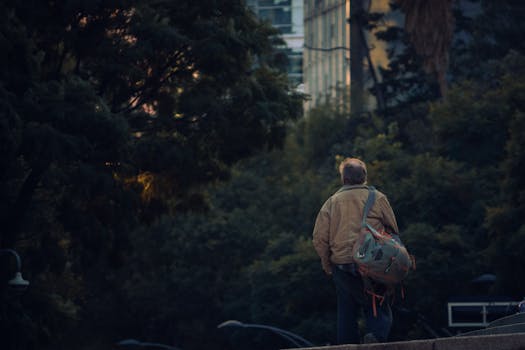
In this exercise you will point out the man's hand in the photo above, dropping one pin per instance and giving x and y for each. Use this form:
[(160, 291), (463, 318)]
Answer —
[(327, 267)]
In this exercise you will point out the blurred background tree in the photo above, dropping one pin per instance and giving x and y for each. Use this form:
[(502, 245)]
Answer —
[(114, 113), (157, 180)]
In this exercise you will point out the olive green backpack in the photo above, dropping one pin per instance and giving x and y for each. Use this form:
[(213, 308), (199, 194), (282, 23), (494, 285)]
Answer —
[(380, 256)]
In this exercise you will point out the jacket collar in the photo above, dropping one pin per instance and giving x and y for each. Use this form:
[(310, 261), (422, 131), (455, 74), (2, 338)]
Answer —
[(351, 187)]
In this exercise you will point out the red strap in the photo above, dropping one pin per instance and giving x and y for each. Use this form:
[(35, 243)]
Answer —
[(374, 305)]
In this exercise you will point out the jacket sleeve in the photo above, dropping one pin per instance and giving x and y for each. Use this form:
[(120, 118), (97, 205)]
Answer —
[(321, 236), (388, 217)]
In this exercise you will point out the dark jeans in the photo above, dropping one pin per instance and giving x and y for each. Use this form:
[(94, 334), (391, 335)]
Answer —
[(350, 299)]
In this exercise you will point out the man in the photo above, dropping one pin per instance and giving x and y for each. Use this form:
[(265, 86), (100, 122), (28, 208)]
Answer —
[(336, 230)]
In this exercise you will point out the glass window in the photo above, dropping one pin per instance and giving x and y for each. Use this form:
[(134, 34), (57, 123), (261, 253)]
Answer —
[(272, 3), (284, 29), (295, 64), (294, 67), (277, 16)]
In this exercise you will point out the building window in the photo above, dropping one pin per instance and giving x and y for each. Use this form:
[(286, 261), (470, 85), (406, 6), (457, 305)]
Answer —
[(278, 12), (271, 3), (295, 66), (280, 17)]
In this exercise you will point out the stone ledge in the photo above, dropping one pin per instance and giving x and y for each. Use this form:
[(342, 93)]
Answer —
[(507, 329), (508, 320), (514, 341)]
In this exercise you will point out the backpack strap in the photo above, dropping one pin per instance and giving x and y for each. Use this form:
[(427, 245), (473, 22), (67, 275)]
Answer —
[(368, 205)]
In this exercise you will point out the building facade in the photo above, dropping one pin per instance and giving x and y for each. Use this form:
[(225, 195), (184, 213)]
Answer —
[(287, 16), (326, 66), (327, 54)]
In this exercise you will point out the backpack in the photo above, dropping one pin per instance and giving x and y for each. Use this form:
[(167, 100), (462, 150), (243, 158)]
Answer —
[(381, 257)]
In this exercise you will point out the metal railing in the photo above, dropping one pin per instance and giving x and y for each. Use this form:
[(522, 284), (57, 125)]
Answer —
[(484, 309)]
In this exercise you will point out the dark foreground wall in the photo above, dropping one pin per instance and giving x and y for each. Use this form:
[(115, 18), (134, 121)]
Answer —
[(514, 341)]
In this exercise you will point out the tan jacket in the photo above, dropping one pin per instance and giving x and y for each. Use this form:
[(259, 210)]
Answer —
[(339, 222)]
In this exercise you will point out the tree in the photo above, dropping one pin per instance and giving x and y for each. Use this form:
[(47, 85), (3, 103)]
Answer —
[(430, 27), (503, 219), (111, 114), (489, 32)]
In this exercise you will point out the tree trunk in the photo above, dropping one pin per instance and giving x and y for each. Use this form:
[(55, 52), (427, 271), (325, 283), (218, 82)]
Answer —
[(356, 58)]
